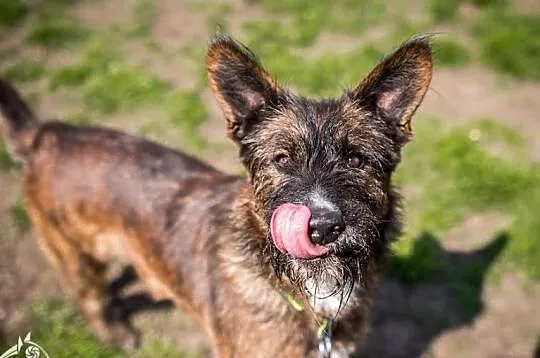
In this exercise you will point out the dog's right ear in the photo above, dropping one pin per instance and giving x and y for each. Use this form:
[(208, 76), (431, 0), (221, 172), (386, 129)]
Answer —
[(242, 87)]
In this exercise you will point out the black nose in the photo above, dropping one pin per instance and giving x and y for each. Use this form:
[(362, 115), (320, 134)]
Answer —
[(325, 226)]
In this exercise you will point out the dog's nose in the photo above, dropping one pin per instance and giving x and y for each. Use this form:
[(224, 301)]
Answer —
[(325, 226)]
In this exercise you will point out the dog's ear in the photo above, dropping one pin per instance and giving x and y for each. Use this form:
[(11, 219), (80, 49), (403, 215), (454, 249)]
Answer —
[(396, 86), (242, 87)]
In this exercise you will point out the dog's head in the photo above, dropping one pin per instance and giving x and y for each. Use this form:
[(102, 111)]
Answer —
[(320, 169)]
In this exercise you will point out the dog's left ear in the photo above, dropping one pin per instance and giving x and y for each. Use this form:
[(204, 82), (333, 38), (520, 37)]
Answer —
[(397, 85), (242, 87)]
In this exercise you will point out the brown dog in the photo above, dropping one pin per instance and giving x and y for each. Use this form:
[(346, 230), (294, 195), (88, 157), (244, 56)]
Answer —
[(279, 264)]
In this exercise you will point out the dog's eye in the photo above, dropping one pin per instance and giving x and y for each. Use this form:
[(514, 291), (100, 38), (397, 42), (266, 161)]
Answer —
[(356, 161), (283, 161)]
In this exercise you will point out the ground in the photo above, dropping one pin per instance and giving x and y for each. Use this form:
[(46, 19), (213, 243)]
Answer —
[(463, 278)]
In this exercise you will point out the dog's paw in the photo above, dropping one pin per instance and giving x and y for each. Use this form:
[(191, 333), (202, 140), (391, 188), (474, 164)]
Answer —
[(119, 334), (127, 339)]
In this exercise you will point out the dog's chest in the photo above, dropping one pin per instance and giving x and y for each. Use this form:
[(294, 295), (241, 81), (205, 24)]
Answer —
[(324, 299)]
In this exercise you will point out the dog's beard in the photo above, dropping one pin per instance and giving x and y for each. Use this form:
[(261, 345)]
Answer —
[(344, 271), (334, 276)]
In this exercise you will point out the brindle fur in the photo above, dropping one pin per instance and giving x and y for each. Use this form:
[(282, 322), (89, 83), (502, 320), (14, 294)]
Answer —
[(200, 237)]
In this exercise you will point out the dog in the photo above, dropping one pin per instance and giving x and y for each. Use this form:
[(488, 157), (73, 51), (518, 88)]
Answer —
[(281, 262)]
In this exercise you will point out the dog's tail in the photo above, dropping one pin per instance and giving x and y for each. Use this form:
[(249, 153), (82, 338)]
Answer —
[(18, 123)]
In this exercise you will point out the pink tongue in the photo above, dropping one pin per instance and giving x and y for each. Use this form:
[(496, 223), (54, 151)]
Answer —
[(289, 228)]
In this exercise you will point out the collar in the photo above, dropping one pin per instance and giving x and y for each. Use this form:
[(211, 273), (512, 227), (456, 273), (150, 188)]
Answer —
[(324, 331)]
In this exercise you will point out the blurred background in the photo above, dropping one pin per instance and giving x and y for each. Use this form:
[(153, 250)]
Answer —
[(464, 277)]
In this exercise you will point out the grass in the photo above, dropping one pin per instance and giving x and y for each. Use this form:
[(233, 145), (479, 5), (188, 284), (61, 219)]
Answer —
[(108, 83), (96, 59), (12, 12), (525, 251), (217, 17), (450, 53), (324, 75), (19, 216), (443, 10), (330, 73), (455, 174), (78, 118), (57, 32), (510, 43), (6, 163), (448, 10), (309, 17), (24, 71), (144, 18), (187, 112), (490, 4), (62, 333), (277, 32), (123, 87)]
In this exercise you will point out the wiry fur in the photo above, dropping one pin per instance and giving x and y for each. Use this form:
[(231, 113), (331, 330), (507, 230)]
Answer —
[(201, 238)]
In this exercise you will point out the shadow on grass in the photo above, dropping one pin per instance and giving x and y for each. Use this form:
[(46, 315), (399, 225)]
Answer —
[(409, 314)]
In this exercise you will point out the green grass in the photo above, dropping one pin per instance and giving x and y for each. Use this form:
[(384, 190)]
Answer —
[(19, 216), (96, 59), (109, 84), (6, 163), (450, 53), (72, 75), (443, 10), (309, 17), (123, 87), (325, 75), (62, 333), (78, 118), (490, 4), (187, 112), (12, 12), (403, 29), (277, 32), (448, 10), (330, 73), (525, 248), (46, 11), (217, 17), (144, 18), (24, 71), (59, 3), (57, 32), (510, 43), (455, 173)]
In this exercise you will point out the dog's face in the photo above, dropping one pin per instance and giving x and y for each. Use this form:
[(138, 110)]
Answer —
[(320, 170)]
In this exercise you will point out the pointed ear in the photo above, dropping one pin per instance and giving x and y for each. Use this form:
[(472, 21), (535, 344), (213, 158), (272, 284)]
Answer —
[(397, 85), (240, 84)]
